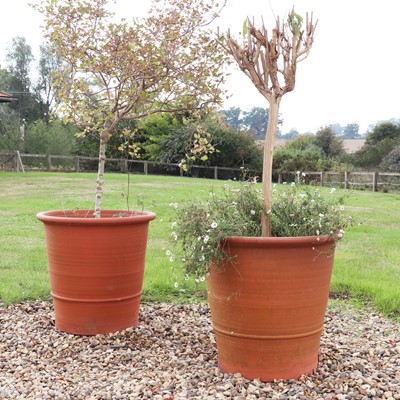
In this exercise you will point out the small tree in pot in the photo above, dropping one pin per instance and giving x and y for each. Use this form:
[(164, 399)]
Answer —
[(267, 255), (111, 72), (270, 61)]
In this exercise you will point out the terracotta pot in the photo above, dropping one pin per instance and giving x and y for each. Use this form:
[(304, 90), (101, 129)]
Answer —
[(96, 268), (268, 308)]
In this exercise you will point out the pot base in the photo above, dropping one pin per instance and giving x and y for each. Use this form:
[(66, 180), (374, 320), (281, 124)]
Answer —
[(92, 317), (268, 358)]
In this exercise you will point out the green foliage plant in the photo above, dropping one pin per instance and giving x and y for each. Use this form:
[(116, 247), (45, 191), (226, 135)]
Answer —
[(383, 138), (331, 145), (320, 152), (391, 162), (53, 137), (290, 158), (9, 129), (155, 130), (232, 148), (200, 227)]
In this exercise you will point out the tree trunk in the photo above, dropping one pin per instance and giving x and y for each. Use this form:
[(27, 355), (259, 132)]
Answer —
[(273, 115), (100, 177)]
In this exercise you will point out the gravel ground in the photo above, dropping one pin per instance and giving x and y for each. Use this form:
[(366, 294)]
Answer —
[(171, 355)]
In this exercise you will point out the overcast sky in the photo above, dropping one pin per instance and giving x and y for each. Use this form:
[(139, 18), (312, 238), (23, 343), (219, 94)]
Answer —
[(351, 76)]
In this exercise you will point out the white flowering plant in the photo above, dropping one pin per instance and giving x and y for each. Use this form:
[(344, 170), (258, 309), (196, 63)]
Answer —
[(298, 210)]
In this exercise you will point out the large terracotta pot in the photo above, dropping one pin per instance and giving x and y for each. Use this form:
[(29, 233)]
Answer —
[(96, 268), (268, 307)]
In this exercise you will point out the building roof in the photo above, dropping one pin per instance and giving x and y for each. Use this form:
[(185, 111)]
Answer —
[(6, 97)]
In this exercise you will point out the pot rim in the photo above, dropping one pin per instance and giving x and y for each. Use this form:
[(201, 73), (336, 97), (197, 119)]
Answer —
[(85, 216), (285, 240)]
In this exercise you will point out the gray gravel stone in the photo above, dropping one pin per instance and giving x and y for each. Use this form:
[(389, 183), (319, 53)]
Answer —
[(171, 355)]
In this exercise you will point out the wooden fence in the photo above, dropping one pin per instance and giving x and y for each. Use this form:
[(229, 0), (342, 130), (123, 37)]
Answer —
[(47, 162), (375, 181), (14, 161)]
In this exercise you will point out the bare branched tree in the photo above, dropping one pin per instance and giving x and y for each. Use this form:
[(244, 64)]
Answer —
[(270, 61)]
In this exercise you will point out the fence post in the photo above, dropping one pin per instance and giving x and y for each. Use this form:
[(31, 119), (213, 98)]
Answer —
[(346, 179), (126, 168), (48, 162), (322, 178), (77, 164), (16, 163), (145, 168), (375, 176), (19, 162), (279, 178), (215, 172)]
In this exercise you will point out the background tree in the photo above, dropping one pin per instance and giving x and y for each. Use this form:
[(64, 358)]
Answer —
[(17, 81), (386, 131), (6, 81), (166, 62), (336, 128), (351, 131), (291, 158), (320, 152), (19, 59), (155, 130), (9, 118), (270, 61), (256, 121), (47, 66), (293, 133), (50, 138), (9, 129), (238, 148), (391, 162), (331, 145), (233, 117), (180, 142), (379, 142)]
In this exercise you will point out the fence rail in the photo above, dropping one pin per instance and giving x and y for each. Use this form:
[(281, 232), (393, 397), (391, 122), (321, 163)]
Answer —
[(47, 162), (15, 161), (375, 181)]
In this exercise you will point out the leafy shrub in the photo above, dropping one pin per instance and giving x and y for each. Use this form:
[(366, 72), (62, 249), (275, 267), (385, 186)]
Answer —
[(52, 138), (391, 162), (297, 210)]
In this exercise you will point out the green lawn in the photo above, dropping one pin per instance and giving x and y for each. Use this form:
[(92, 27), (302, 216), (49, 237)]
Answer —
[(367, 260)]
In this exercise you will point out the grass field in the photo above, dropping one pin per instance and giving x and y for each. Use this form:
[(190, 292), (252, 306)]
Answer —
[(367, 260)]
